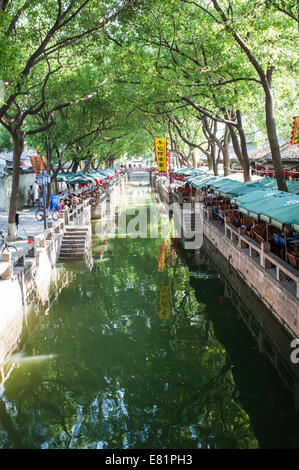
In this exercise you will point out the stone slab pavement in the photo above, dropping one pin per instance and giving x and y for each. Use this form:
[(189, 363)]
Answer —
[(28, 225)]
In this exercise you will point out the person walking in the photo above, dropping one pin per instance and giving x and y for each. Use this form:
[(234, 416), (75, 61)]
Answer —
[(31, 195), (40, 195)]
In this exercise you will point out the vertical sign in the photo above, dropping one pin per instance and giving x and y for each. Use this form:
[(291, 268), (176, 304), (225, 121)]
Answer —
[(161, 153), (38, 164), (295, 131)]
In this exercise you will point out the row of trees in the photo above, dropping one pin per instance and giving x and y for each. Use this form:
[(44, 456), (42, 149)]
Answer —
[(92, 80)]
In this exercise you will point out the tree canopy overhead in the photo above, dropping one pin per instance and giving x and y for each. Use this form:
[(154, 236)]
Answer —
[(96, 80)]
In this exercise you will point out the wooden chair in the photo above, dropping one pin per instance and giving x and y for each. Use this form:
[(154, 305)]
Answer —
[(259, 229), (293, 260), (258, 238), (248, 220)]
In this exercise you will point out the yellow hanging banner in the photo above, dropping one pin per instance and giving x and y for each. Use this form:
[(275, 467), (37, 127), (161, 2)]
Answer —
[(164, 303), (295, 131), (161, 153)]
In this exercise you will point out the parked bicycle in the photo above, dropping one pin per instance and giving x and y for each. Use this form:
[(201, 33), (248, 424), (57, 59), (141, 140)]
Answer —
[(3, 243), (54, 213)]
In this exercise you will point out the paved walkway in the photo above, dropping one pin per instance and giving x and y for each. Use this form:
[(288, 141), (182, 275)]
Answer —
[(28, 225)]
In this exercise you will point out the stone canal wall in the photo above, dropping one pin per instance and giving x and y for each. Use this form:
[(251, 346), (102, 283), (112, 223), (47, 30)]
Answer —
[(268, 281), (271, 334), (29, 269), (274, 281), (31, 279)]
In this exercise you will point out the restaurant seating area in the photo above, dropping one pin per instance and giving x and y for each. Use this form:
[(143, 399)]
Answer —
[(79, 186), (265, 214)]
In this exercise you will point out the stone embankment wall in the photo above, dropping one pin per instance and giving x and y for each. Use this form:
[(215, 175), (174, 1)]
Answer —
[(30, 278), (274, 281)]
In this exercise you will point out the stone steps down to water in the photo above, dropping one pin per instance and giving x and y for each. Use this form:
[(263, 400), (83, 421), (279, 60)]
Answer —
[(74, 243)]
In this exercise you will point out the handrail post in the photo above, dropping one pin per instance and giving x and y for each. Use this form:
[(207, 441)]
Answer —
[(7, 258)]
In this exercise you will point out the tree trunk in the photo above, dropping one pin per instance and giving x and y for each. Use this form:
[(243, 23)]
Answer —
[(246, 164), (226, 162), (239, 154), (49, 166), (273, 140), (210, 163), (193, 159), (18, 147), (214, 160), (75, 167)]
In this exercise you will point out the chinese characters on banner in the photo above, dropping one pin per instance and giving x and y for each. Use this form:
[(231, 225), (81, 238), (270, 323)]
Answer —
[(295, 131), (161, 153), (38, 163)]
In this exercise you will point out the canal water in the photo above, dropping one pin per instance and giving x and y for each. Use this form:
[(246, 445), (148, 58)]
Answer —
[(143, 350)]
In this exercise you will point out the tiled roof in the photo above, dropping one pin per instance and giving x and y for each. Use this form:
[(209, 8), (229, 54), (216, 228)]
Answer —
[(288, 153)]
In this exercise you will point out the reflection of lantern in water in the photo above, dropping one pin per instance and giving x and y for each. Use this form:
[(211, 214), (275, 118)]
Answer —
[(221, 299), (171, 256), (164, 303), (229, 313), (162, 255)]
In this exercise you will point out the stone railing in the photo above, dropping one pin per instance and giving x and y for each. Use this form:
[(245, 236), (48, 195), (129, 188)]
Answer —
[(77, 213), (279, 269), (260, 253)]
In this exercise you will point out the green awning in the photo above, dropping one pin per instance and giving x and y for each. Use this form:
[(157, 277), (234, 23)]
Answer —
[(293, 187), (295, 224), (65, 176), (243, 188), (286, 215), (252, 196), (263, 206)]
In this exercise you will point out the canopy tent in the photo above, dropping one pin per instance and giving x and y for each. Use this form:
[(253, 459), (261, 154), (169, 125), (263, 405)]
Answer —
[(203, 182), (224, 182), (65, 176), (285, 215), (256, 195), (293, 186), (241, 189), (185, 171), (81, 178), (295, 224), (226, 188), (195, 177), (261, 208)]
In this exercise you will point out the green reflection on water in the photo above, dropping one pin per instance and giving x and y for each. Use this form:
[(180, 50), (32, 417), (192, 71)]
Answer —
[(118, 375)]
